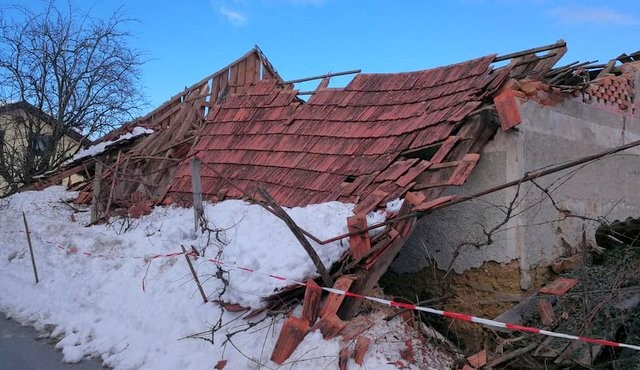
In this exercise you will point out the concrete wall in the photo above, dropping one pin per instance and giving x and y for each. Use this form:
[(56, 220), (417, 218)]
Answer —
[(538, 233)]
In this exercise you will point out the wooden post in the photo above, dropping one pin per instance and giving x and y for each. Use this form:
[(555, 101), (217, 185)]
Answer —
[(96, 192), (278, 211), (114, 174), (33, 260), (196, 185), (195, 276)]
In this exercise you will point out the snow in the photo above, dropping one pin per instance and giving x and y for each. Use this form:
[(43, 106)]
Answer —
[(96, 306), (101, 147)]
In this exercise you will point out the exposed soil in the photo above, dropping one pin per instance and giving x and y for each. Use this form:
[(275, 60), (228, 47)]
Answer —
[(487, 292)]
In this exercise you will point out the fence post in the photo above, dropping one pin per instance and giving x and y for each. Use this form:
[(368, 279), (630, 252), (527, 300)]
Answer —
[(33, 260), (197, 192), (96, 192)]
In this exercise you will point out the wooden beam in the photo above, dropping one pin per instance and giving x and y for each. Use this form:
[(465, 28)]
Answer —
[(196, 184), (97, 178), (557, 45), (280, 213)]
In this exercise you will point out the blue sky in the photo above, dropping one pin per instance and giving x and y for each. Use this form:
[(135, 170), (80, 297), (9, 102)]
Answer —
[(190, 39)]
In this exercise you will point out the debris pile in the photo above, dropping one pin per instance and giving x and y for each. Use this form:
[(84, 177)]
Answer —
[(598, 298)]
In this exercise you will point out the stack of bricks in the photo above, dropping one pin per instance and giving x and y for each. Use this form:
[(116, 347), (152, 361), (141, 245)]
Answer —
[(617, 91)]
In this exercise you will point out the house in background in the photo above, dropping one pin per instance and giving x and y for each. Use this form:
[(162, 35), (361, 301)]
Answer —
[(25, 133)]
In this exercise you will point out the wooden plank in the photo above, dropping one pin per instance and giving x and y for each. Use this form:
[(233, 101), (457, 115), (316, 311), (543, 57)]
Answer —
[(41, 184), (224, 82), (404, 227), (333, 301), (359, 244), (380, 248), (114, 175), (233, 78), (366, 280), (253, 68), (291, 335), (267, 74), (215, 91), (196, 184), (242, 73), (311, 302), (510, 356)]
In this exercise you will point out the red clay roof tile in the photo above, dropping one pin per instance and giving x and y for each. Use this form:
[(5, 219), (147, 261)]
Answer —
[(344, 144)]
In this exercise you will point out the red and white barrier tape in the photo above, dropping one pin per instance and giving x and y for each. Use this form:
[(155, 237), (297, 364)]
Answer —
[(452, 315), (74, 250), (390, 303)]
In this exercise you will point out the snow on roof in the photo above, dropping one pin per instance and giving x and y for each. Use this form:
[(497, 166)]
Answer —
[(101, 147)]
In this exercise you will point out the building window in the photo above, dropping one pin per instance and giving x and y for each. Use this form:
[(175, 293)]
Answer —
[(40, 143)]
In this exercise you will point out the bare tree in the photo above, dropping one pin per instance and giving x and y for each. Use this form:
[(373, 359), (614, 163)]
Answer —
[(75, 74)]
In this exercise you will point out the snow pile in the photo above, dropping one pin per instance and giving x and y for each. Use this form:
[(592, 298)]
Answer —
[(101, 147), (97, 306)]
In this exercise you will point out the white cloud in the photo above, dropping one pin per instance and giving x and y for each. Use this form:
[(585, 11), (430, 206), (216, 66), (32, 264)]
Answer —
[(593, 15), (237, 12), (231, 11), (233, 16)]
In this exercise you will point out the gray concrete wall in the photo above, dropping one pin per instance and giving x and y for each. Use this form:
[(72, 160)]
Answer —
[(537, 233)]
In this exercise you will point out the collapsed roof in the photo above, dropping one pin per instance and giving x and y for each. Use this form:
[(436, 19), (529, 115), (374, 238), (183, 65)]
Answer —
[(375, 137), (382, 137)]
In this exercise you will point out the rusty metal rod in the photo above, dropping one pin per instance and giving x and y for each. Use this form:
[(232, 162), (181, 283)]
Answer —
[(323, 76), (528, 177)]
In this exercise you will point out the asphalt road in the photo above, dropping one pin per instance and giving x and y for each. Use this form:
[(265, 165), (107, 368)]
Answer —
[(20, 350)]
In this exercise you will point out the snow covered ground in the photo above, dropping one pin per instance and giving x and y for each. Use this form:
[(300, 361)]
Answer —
[(96, 305)]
